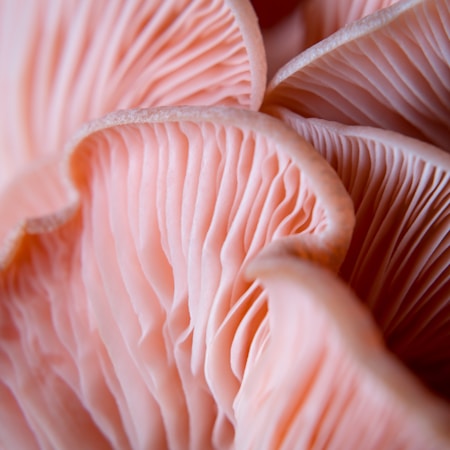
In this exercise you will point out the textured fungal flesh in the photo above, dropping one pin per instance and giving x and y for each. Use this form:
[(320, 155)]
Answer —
[(389, 70), (398, 259), (134, 310), (342, 389), (296, 25), (68, 62)]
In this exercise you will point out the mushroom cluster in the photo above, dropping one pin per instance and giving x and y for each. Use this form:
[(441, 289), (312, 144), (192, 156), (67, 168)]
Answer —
[(191, 257)]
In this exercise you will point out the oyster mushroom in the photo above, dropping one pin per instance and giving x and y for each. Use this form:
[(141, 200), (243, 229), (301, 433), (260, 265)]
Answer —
[(126, 325), (342, 388), (73, 61), (65, 63), (295, 25), (398, 261), (389, 70), (126, 320)]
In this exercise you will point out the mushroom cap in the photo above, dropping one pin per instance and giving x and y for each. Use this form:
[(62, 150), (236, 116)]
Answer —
[(126, 324), (389, 70), (294, 25), (320, 376), (68, 62), (398, 261)]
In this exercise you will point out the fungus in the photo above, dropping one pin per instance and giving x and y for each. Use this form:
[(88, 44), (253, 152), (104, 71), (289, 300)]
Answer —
[(129, 323), (342, 389), (398, 260), (169, 269), (69, 62), (389, 70)]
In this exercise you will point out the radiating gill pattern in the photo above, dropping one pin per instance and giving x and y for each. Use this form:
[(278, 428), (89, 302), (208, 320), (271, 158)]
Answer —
[(137, 306), (395, 76), (338, 369), (398, 259), (78, 62), (322, 18)]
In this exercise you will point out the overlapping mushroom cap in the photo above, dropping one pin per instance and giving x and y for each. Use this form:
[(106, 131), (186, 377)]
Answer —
[(169, 279), (142, 289), (398, 261), (390, 71), (342, 389), (68, 62), (72, 62)]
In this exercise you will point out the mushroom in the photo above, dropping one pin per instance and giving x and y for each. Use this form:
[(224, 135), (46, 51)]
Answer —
[(170, 279), (71, 62), (397, 262), (389, 70), (129, 323), (68, 62), (342, 388)]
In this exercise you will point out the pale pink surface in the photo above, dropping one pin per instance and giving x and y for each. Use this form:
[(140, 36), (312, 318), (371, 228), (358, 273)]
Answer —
[(66, 62), (322, 18), (342, 388), (40, 190), (390, 70), (131, 323), (126, 320), (309, 23), (398, 261)]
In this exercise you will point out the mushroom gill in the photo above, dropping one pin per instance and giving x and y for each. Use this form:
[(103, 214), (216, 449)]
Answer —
[(322, 18), (398, 261), (72, 61), (295, 25), (67, 62), (389, 70), (129, 324), (321, 376)]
